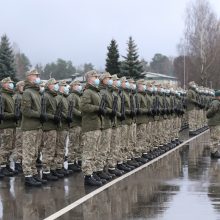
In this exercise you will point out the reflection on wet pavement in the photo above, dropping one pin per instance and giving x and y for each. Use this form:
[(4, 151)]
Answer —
[(183, 185)]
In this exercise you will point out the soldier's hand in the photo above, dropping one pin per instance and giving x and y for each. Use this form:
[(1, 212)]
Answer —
[(69, 120), (43, 118), (56, 119)]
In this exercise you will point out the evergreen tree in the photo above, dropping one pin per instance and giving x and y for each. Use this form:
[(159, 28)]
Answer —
[(7, 65), (112, 61), (131, 67)]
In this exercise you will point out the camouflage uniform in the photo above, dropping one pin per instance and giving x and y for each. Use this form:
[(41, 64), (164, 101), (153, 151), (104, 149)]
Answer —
[(49, 128), (91, 126), (104, 147), (213, 115), (62, 131), (75, 132), (17, 153), (31, 127), (7, 126)]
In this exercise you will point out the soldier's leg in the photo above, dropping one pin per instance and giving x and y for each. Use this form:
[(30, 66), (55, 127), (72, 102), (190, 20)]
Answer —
[(131, 143), (103, 149), (48, 150), (141, 140), (17, 152), (75, 148), (60, 148), (114, 154), (30, 145), (90, 141), (124, 142), (214, 138)]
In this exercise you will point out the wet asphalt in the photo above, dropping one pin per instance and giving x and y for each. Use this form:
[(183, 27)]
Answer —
[(183, 185)]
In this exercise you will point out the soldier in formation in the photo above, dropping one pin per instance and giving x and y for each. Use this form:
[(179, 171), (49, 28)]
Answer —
[(108, 128)]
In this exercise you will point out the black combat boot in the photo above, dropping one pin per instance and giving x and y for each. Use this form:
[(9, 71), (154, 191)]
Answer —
[(39, 163), (18, 167), (141, 160), (64, 172), (79, 163), (91, 181), (55, 173), (129, 166), (104, 181), (115, 171), (15, 172), (132, 163), (30, 181), (74, 167), (121, 166), (103, 175), (37, 178), (6, 172), (215, 155), (49, 177), (110, 174)]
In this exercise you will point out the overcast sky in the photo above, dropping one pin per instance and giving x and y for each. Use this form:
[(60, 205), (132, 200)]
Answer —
[(80, 30)]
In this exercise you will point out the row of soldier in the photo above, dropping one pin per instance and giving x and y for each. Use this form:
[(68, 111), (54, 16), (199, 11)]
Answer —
[(109, 127)]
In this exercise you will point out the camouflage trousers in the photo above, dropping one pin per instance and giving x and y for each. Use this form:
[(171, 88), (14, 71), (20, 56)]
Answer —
[(124, 142), (75, 144), (160, 134), (115, 148), (155, 133), (132, 137), (90, 142), (17, 151), (31, 142), (141, 140), (192, 120), (6, 144), (61, 143), (103, 149), (214, 138), (48, 150), (166, 131), (149, 137)]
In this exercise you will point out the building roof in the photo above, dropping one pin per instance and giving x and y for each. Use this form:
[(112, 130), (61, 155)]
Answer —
[(149, 75)]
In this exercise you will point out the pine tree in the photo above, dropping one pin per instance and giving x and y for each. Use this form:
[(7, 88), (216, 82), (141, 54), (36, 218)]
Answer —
[(112, 60), (131, 67), (7, 64)]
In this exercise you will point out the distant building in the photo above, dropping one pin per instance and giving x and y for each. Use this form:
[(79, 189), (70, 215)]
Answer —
[(161, 78)]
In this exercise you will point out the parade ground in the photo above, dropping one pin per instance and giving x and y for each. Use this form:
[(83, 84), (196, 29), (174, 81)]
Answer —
[(181, 184)]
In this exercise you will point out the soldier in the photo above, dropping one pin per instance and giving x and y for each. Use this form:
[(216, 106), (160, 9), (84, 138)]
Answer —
[(104, 147), (75, 133), (7, 126), (128, 114), (213, 115), (17, 153), (192, 106), (49, 126), (142, 121), (92, 116), (61, 116), (31, 128), (115, 163)]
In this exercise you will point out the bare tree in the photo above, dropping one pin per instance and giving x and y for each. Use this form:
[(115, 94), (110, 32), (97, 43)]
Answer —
[(201, 39)]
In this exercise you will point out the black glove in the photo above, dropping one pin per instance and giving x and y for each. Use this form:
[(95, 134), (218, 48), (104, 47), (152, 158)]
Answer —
[(102, 111), (122, 117), (43, 118), (17, 118), (69, 120), (56, 119), (1, 117)]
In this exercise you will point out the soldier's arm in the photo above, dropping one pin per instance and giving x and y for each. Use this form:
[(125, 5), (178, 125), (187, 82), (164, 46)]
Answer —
[(7, 115), (49, 116), (87, 105), (142, 104), (213, 109), (26, 109), (76, 112)]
